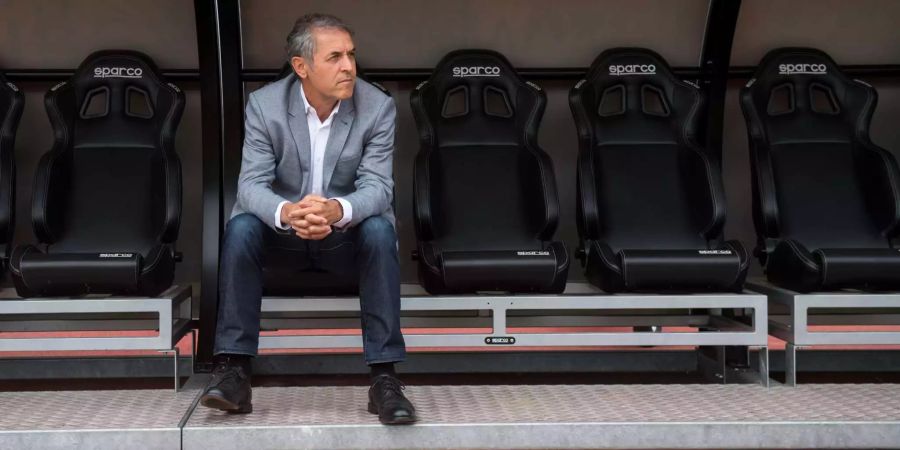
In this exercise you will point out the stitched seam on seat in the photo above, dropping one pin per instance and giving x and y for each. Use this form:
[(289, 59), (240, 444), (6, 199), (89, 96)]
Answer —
[(824, 265), (427, 130), (586, 147), (149, 267), (44, 197), (554, 273), (28, 249), (624, 266), (528, 124), (712, 191), (740, 270), (566, 260), (57, 118), (703, 157), (612, 266), (137, 275), (426, 192), (758, 147), (166, 158), (800, 255)]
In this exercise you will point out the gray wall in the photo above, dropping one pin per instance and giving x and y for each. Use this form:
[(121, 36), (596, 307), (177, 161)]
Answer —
[(407, 33)]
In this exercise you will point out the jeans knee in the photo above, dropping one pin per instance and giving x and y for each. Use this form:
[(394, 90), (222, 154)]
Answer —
[(377, 232), (243, 231)]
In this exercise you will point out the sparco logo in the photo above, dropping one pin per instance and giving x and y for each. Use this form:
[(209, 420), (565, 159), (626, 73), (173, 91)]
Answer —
[(118, 72), (476, 71), (811, 69), (116, 255), (714, 252), (534, 253), (632, 69)]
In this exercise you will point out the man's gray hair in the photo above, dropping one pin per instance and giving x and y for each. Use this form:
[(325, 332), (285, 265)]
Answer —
[(302, 43)]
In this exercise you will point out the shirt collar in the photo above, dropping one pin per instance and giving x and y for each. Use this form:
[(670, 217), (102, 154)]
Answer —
[(307, 107)]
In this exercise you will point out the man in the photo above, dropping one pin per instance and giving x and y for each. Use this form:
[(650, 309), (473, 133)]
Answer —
[(317, 167)]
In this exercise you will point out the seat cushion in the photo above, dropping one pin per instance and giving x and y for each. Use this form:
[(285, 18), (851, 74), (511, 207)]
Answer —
[(71, 273), (649, 269), (721, 269), (501, 270), (875, 267)]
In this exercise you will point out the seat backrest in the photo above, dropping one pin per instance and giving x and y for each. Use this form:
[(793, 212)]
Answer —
[(489, 185), (113, 178), (817, 177), (643, 180), (475, 97), (11, 103)]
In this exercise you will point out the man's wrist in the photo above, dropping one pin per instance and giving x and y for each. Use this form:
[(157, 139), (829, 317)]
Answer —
[(337, 210), (281, 213)]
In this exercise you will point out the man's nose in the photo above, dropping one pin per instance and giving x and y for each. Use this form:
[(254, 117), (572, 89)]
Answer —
[(346, 64)]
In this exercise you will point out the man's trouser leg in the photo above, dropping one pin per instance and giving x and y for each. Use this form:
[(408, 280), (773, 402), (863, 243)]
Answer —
[(369, 251)]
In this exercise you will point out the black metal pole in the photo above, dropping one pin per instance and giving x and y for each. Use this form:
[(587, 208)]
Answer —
[(233, 99), (211, 124), (715, 58), (221, 91)]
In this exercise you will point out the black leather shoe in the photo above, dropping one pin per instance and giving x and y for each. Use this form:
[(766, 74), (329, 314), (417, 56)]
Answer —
[(387, 400), (229, 389)]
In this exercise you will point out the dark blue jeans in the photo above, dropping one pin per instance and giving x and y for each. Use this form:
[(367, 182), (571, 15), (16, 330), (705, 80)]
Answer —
[(368, 250)]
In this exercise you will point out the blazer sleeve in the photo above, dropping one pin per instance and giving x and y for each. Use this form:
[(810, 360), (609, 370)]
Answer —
[(374, 177), (254, 193)]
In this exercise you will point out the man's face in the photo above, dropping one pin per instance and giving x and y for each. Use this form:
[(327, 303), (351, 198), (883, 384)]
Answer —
[(332, 74)]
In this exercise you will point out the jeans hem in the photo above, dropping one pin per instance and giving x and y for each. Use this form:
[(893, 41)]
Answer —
[(386, 359), (218, 352)]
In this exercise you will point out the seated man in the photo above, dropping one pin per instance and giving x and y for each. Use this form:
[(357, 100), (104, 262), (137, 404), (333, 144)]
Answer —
[(317, 162)]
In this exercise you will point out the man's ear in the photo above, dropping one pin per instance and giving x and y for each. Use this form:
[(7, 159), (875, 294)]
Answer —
[(299, 65)]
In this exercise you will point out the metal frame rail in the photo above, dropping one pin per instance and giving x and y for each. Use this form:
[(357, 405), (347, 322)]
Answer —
[(169, 314), (792, 314)]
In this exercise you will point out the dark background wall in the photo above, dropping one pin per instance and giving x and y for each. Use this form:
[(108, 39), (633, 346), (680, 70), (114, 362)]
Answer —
[(415, 34)]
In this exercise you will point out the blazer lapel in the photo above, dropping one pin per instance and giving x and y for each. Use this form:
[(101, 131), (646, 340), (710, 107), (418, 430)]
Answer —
[(340, 129), (300, 131)]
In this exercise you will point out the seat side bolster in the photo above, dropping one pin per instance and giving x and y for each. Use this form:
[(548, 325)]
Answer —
[(172, 167), (589, 215)]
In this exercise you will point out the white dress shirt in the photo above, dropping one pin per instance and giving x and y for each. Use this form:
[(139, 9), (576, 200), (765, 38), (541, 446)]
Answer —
[(318, 137)]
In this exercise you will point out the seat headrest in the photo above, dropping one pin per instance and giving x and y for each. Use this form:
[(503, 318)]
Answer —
[(6, 85), (804, 85), (116, 97), (632, 96), (797, 64), (8, 92), (11, 102), (116, 67), (630, 66), (477, 97), (472, 66)]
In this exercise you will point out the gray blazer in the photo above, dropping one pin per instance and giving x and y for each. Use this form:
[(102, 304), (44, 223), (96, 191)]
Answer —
[(276, 156)]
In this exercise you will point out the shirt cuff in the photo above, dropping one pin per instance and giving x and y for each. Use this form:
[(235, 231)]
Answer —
[(348, 213), (278, 223)]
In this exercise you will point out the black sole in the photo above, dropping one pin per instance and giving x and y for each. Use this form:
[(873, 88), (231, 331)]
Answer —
[(398, 421), (216, 402)]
